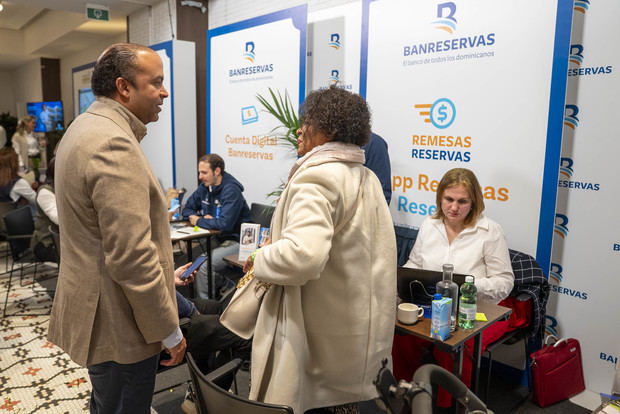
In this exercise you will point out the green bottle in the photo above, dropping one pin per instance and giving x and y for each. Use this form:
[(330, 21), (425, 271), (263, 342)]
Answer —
[(467, 304)]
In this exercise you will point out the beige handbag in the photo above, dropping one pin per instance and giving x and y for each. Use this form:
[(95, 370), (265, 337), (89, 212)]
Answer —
[(241, 314), (242, 311)]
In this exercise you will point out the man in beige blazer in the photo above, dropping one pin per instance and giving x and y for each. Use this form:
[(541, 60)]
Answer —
[(115, 304)]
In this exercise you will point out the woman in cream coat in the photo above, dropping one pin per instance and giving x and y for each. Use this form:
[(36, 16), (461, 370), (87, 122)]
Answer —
[(328, 319)]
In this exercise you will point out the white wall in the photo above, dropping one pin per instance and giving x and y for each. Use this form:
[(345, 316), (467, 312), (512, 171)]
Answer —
[(26, 86), (7, 97), (67, 63), (152, 25), (223, 12)]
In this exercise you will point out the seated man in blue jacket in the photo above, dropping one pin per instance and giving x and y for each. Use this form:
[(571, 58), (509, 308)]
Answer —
[(218, 203)]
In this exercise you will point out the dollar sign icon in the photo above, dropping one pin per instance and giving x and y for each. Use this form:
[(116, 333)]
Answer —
[(442, 113)]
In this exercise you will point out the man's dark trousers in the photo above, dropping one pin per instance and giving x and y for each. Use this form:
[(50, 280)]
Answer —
[(122, 388)]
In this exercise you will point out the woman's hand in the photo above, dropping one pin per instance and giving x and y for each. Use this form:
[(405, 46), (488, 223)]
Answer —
[(179, 271), (248, 264)]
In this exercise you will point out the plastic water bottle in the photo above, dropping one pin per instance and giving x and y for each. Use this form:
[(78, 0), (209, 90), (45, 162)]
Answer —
[(468, 306), (218, 209), (449, 289)]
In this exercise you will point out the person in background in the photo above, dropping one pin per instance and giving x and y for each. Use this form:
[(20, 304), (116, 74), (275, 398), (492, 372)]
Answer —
[(211, 343), (115, 306), (217, 203), (378, 160), (47, 216), (2, 137), (327, 320), (459, 233), (23, 139), (13, 188), (46, 118)]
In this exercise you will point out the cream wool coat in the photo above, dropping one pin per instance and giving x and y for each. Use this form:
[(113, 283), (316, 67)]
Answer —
[(115, 299), (328, 321)]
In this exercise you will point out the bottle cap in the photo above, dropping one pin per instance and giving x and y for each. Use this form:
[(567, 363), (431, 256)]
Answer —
[(437, 296), (469, 279), (448, 267)]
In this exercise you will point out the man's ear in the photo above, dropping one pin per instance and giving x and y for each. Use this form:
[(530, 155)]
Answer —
[(122, 87), (217, 171)]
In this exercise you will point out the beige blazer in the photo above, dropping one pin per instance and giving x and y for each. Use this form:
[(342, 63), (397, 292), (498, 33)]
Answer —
[(115, 299)]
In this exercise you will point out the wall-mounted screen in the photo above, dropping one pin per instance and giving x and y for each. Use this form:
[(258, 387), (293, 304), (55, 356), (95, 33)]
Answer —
[(86, 97), (49, 115)]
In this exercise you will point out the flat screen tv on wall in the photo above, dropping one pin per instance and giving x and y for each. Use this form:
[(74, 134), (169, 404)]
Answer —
[(49, 115)]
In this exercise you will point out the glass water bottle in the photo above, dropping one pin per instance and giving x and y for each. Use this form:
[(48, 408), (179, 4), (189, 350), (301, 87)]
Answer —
[(449, 289)]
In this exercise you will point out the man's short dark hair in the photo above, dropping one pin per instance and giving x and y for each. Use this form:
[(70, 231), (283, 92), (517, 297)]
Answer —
[(340, 115), (214, 161), (117, 61)]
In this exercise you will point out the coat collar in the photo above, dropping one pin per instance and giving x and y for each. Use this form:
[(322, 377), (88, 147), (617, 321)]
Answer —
[(122, 116), (329, 152)]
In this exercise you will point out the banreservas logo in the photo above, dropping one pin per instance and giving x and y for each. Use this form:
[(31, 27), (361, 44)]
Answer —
[(566, 170), (576, 54), (561, 225), (577, 58), (333, 78), (566, 167), (570, 116), (466, 47), (249, 54), (334, 41), (446, 21), (555, 273), (551, 325), (445, 17), (581, 6)]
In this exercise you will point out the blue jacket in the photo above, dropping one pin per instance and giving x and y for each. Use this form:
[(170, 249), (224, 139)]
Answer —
[(234, 209), (378, 160)]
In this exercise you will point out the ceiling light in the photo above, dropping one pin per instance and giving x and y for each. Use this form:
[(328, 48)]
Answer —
[(1, 6)]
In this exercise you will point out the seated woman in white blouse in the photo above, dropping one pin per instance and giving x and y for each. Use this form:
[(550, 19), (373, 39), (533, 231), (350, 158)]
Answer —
[(458, 233), (13, 188)]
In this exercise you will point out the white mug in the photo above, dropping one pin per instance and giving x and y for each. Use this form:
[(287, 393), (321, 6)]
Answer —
[(408, 313)]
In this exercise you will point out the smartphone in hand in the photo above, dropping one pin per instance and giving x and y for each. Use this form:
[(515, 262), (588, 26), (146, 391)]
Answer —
[(195, 266)]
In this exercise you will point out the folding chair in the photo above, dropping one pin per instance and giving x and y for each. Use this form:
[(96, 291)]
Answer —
[(212, 399), (5, 207), (19, 229)]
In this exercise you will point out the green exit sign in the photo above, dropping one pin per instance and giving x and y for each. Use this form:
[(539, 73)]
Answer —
[(97, 12)]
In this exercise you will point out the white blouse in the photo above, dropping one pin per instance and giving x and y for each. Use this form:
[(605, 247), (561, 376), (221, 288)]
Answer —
[(479, 250), (46, 200), (21, 188)]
